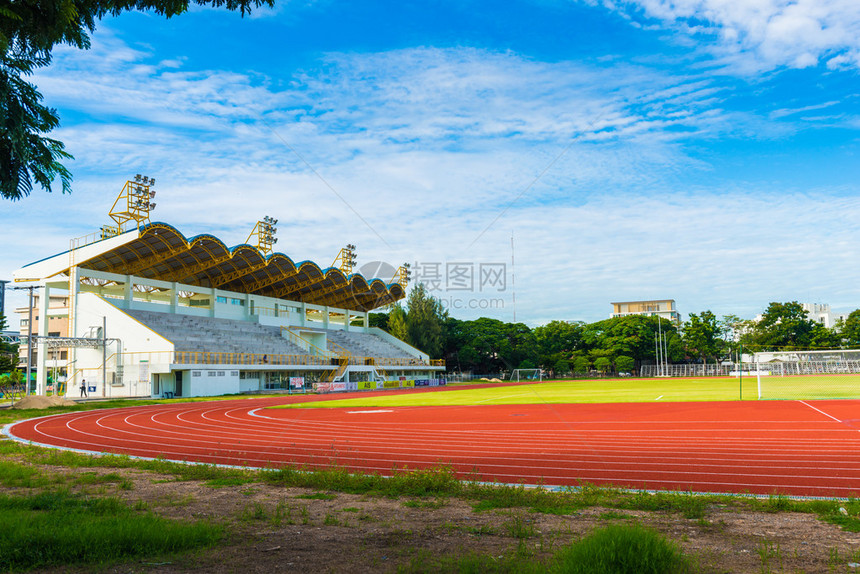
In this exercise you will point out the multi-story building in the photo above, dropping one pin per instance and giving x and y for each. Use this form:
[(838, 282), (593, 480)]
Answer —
[(658, 307), (821, 313), (57, 360)]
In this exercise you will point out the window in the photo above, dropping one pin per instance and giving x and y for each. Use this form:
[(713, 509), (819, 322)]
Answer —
[(220, 373), (210, 373), (195, 373), (237, 301), (220, 299)]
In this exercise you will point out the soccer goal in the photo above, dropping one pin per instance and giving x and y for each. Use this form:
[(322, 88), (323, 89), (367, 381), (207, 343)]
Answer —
[(527, 375)]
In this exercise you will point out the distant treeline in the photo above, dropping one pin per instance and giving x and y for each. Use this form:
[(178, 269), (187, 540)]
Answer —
[(620, 344)]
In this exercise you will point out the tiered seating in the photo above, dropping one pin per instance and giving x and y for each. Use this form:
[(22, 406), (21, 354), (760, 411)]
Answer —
[(189, 333), (366, 345)]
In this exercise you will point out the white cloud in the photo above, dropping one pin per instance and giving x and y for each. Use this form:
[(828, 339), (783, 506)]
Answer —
[(429, 146), (759, 35)]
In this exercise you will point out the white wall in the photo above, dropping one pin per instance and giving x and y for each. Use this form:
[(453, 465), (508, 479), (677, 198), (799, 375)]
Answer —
[(137, 339), (211, 381)]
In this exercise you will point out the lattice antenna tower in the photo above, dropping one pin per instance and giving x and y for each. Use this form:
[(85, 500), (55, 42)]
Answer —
[(134, 203), (264, 235), (345, 260), (403, 275)]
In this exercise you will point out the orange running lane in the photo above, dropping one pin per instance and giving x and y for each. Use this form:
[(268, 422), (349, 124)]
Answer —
[(809, 448)]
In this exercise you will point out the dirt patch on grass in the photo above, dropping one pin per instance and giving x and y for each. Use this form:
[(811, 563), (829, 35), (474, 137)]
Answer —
[(42, 402), (274, 528)]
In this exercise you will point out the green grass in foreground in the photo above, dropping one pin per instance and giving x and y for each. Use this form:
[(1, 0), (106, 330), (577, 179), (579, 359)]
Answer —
[(615, 549), (626, 390), (56, 528)]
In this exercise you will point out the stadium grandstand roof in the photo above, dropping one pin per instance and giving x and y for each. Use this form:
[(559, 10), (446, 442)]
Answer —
[(159, 251)]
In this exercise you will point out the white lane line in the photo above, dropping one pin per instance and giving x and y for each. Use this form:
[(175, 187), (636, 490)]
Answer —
[(658, 398), (820, 411), (502, 398), (369, 412)]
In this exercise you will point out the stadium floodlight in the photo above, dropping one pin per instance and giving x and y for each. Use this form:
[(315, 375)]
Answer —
[(275, 240), (151, 194), (137, 177), (151, 182), (151, 206)]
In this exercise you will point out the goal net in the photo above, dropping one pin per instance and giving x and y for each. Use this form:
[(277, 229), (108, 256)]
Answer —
[(526, 375)]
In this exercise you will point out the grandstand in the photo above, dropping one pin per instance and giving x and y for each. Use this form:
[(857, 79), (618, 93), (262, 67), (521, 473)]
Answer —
[(151, 312)]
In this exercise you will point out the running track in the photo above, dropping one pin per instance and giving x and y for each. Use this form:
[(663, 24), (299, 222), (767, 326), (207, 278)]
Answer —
[(807, 448)]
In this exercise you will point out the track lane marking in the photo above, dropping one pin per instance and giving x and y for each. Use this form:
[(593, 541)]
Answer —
[(819, 410)]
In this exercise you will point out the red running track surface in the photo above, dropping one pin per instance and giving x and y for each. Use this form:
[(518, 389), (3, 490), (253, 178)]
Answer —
[(807, 448)]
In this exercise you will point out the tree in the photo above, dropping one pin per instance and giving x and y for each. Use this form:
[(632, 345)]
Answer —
[(581, 364), (603, 364), (624, 364), (397, 323), (425, 319), (703, 336), (29, 30), (851, 329), (378, 320), (8, 352), (783, 326)]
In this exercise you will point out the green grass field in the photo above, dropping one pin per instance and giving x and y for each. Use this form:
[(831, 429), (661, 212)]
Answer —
[(619, 391)]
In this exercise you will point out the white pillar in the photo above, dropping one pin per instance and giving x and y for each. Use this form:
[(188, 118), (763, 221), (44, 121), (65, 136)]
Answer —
[(174, 297), (41, 353)]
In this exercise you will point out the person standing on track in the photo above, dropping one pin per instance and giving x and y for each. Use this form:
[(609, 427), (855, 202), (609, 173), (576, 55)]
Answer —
[(84, 388)]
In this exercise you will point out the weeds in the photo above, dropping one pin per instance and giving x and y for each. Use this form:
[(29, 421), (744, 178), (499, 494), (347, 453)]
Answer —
[(520, 527), (57, 528)]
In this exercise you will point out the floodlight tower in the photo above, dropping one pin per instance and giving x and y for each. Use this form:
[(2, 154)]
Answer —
[(264, 231), (403, 275), (345, 260), (134, 203)]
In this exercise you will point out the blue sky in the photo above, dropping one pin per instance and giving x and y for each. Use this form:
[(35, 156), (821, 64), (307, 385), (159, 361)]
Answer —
[(701, 150)]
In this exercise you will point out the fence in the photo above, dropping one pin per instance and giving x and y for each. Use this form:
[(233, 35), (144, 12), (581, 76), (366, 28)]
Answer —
[(778, 368), (828, 379)]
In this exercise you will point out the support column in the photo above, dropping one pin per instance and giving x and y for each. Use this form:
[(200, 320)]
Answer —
[(41, 353), (128, 291), (74, 288), (174, 297)]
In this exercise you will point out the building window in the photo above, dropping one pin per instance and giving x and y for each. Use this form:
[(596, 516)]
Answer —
[(237, 302), (220, 299)]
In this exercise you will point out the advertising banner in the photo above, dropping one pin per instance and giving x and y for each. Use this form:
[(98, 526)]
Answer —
[(391, 384), (297, 382), (322, 387), (408, 384), (335, 387), (366, 385), (422, 382)]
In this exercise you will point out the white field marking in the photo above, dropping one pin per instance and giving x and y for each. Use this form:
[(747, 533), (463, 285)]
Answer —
[(369, 412), (658, 398), (820, 411), (505, 397)]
